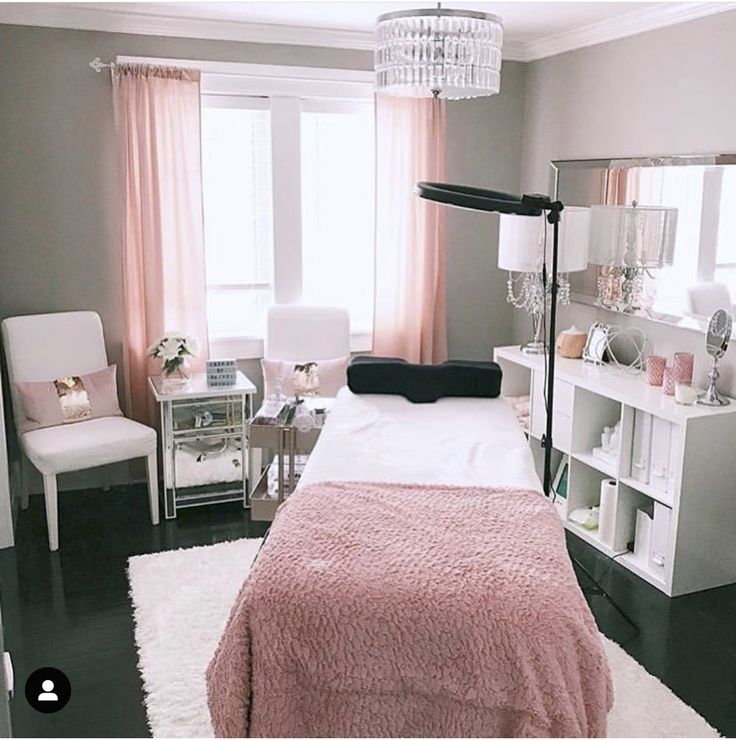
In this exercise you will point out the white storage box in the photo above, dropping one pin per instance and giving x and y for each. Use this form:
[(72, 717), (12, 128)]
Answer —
[(641, 446)]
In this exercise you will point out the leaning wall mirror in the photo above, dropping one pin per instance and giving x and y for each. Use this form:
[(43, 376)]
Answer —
[(663, 234)]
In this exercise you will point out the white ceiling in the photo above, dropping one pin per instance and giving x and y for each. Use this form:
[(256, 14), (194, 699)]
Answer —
[(532, 29)]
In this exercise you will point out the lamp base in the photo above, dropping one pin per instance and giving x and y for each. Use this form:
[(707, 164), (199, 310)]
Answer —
[(534, 348)]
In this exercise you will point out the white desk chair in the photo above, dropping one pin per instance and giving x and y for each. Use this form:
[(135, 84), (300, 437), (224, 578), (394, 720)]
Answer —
[(307, 333), (704, 299), (49, 346)]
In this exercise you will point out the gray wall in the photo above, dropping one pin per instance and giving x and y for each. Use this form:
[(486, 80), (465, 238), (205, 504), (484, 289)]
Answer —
[(671, 91), (668, 91), (60, 210), (484, 149)]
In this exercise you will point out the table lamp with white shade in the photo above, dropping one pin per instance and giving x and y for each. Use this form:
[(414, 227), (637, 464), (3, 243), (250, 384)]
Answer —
[(522, 246), (626, 242)]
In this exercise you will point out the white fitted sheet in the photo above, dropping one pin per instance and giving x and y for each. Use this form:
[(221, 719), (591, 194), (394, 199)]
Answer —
[(456, 441)]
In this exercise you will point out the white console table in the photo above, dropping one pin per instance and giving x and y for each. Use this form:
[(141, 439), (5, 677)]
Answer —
[(678, 462)]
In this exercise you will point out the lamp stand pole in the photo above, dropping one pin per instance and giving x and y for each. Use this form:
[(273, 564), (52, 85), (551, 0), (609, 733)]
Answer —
[(553, 217), (530, 204)]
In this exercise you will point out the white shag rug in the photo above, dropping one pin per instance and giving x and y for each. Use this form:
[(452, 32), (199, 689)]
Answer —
[(181, 601)]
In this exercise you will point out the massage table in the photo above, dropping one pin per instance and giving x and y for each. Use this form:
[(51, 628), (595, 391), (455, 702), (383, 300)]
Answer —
[(415, 584), (458, 441)]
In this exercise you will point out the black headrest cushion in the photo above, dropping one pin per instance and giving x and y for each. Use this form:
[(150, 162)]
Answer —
[(424, 383)]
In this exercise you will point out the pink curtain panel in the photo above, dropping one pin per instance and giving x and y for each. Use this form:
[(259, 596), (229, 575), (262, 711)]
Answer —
[(157, 119), (410, 319)]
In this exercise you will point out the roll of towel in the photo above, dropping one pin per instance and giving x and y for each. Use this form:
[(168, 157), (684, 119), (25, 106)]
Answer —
[(607, 521)]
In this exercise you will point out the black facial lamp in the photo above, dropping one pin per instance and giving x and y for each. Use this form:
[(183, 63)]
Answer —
[(479, 199), (492, 201)]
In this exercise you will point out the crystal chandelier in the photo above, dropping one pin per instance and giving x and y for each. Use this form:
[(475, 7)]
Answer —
[(440, 53)]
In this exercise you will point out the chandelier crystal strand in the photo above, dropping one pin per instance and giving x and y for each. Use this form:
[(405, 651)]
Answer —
[(443, 53)]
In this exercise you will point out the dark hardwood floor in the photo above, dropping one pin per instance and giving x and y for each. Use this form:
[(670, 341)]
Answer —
[(71, 610)]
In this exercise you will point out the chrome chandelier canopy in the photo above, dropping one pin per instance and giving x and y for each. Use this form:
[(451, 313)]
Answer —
[(440, 53)]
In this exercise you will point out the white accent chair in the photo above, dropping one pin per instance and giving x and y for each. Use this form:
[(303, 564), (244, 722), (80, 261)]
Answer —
[(704, 299), (49, 346), (307, 333)]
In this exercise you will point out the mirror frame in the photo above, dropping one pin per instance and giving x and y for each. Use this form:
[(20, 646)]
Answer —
[(679, 160)]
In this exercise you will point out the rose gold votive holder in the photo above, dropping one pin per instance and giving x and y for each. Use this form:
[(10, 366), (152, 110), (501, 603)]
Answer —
[(669, 380), (655, 369), (683, 365)]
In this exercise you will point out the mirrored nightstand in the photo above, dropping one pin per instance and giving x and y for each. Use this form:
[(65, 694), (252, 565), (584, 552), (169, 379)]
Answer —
[(204, 441)]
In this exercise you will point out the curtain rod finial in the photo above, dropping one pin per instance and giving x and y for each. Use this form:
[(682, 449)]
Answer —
[(98, 65)]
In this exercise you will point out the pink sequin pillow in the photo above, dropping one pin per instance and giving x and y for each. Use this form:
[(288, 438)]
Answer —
[(321, 378), (67, 400)]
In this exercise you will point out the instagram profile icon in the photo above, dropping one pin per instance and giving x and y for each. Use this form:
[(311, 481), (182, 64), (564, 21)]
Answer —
[(48, 690)]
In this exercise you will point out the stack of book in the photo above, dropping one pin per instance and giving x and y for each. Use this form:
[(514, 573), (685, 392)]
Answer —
[(221, 373)]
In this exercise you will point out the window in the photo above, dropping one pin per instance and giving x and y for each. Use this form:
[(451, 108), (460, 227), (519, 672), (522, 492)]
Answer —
[(725, 267), (238, 216), (288, 191), (680, 188), (705, 241), (338, 209)]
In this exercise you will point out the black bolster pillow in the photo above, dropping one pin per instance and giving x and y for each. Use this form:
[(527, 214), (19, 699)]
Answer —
[(424, 383)]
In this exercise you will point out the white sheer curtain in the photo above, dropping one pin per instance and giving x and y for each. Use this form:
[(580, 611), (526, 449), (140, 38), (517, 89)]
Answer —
[(410, 318)]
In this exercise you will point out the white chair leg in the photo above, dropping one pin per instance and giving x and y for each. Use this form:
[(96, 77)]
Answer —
[(105, 482), (25, 484), (52, 511), (152, 471)]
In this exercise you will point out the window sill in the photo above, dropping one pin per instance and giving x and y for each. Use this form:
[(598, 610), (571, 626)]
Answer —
[(240, 348), (251, 348)]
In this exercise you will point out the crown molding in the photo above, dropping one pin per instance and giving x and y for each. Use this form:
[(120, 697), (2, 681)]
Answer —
[(57, 15), (628, 24), (514, 51), (124, 18)]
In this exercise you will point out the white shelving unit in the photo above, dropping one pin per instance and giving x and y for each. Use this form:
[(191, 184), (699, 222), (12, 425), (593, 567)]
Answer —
[(685, 468)]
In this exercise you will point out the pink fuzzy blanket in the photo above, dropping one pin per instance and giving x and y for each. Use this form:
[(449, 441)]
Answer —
[(400, 610)]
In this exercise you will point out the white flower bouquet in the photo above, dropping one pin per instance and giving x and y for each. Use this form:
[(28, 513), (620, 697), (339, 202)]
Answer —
[(173, 349)]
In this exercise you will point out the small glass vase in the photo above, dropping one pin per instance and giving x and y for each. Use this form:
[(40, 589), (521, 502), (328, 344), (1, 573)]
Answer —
[(176, 377)]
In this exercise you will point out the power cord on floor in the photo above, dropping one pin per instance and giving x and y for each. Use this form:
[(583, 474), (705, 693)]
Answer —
[(597, 588)]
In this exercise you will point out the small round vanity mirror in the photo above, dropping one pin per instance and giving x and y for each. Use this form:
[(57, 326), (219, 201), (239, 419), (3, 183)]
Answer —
[(716, 344), (719, 334)]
